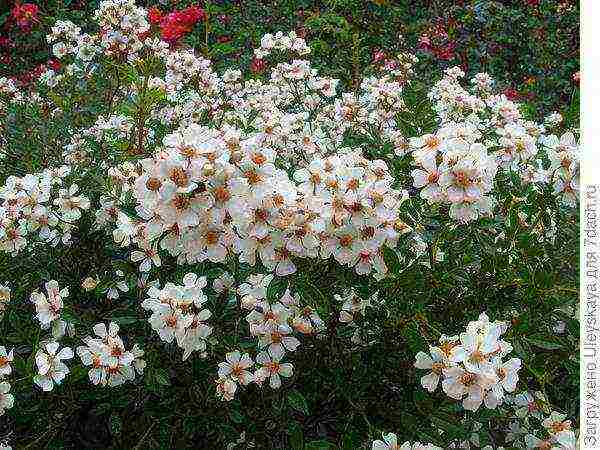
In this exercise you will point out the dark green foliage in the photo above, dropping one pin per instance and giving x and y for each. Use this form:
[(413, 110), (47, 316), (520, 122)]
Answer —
[(338, 398)]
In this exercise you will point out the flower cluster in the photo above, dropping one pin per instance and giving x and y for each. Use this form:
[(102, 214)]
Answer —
[(281, 42), (206, 201), (531, 416), (7, 400), (273, 324), (123, 26), (32, 208), (110, 363), (453, 168), (178, 313), (557, 434), (176, 24), (290, 43), (48, 308), (563, 154), (390, 442), (50, 367), (458, 163), (471, 365), (25, 15), (65, 38)]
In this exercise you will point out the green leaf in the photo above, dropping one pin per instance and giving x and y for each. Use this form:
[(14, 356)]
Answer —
[(391, 260), (544, 343), (236, 416), (297, 401), (296, 436), (162, 377), (124, 320), (447, 423), (276, 288), (223, 49), (350, 441), (116, 425)]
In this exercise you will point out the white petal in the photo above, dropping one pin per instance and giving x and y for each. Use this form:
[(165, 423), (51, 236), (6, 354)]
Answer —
[(423, 361), (275, 381)]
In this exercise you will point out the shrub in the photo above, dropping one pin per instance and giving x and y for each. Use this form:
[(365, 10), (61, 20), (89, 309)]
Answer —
[(291, 237)]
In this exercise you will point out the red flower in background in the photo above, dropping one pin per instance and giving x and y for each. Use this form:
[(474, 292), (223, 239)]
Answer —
[(436, 40), (177, 24), (532, 3), (445, 52), (378, 56), (155, 15), (257, 65), (25, 15), (576, 77), (6, 42), (511, 93), (54, 64)]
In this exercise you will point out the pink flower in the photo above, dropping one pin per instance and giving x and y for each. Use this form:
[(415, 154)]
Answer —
[(378, 56), (257, 65), (25, 15), (6, 42), (425, 42)]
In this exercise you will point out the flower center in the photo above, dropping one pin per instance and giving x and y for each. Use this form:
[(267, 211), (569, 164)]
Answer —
[(468, 379), (273, 367), (557, 427), (153, 184), (222, 194), (212, 237), (258, 159), (179, 177), (252, 176), (433, 177), (346, 240), (437, 367), (432, 143), (181, 202)]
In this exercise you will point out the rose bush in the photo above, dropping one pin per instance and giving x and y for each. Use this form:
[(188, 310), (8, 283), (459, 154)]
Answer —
[(222, 252), (531, 48)]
